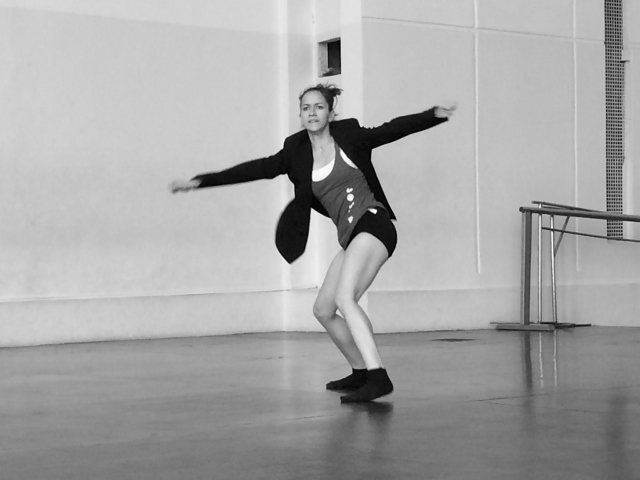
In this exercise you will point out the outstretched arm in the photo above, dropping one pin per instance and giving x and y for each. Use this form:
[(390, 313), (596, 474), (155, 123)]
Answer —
[(409, 124), (260, 169)]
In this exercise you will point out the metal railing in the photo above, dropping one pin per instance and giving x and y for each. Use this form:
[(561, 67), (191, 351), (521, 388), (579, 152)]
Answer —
[(551, 210)]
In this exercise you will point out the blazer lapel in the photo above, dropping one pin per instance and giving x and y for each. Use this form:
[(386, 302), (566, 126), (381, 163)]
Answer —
[(306, 158), (303, 166)]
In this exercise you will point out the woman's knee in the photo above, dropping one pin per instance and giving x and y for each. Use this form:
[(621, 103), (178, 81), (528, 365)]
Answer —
[(323, 311), (345, 300)]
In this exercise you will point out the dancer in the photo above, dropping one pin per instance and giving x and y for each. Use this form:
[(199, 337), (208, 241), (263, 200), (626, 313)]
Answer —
[(329, 162)]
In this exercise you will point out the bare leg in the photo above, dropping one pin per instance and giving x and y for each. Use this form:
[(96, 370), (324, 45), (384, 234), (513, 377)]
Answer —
[(350, 275), (325, 310), (362, 261)]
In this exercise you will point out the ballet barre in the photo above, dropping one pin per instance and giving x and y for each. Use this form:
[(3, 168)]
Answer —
[(551, 210)]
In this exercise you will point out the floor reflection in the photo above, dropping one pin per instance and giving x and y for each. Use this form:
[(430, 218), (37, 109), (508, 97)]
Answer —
[(540, 360), (616, 441), (607, 419), (357, 440)]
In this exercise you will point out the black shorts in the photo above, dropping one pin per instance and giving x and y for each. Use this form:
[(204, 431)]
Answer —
[(379, 225)]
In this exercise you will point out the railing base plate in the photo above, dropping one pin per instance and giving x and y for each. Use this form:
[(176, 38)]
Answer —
[(535, 327)]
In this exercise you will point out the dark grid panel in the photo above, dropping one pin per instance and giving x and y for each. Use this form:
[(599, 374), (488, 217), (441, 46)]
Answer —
[(614, 86)]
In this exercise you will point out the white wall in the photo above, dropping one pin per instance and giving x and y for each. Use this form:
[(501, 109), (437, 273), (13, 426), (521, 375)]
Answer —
[(105, 102), (530, 80)]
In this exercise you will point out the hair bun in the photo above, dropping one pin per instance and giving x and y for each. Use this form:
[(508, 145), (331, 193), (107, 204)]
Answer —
[(329, 91)]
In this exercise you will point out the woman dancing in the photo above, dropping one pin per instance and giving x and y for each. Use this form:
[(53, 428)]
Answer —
[(329, 163)]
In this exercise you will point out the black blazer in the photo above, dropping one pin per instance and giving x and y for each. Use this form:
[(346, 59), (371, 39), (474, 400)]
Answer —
[(296, 160)]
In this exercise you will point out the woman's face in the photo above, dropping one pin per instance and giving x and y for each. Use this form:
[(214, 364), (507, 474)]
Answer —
[(314, 111)]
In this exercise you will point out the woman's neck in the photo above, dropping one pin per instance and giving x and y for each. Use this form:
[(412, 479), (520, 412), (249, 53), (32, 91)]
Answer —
[(321, 140)]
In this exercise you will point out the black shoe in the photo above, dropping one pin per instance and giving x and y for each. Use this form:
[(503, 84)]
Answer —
[(352, 382), (378, 385)]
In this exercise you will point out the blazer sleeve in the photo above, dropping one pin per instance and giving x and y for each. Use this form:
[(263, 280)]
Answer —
[(399, 127), (260, 169)]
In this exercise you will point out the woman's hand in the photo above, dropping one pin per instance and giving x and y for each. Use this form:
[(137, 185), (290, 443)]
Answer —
[(446, 109), (183, 185)]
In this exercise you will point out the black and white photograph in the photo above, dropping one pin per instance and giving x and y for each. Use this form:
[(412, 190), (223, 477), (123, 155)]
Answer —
[(319, 239)]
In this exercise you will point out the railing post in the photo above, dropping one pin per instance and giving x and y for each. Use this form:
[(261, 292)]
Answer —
[(525, 269), (540, 267), (552, 248)]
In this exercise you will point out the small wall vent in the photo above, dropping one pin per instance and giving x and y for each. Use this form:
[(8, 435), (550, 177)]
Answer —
[(329, 58)]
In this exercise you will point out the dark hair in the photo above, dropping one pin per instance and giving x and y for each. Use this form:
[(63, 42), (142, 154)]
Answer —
[(329, 91)]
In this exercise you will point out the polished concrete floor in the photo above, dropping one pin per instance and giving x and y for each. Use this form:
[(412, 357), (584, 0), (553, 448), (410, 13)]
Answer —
[(468, 405)]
